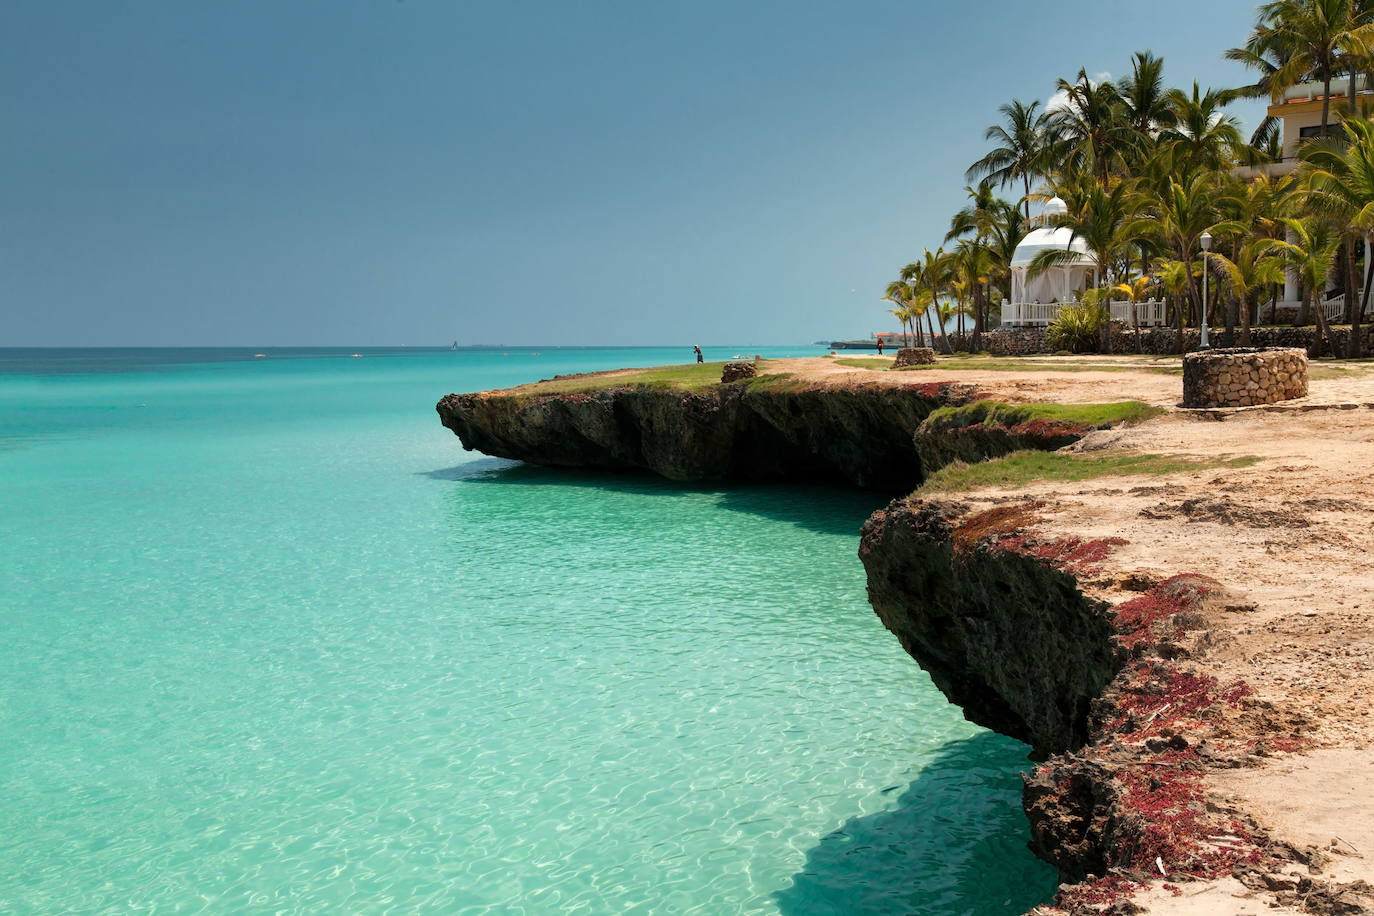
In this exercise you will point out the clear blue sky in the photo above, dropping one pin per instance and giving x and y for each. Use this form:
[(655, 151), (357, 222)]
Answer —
[(378, 172)]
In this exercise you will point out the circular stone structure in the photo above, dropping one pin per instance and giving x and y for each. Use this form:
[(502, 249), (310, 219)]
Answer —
[(1244, 376), (733, 372), (914, 356)]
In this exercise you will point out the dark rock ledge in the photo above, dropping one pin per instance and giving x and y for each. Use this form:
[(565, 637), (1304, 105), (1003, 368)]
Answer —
[(1009, 638), (859, 435)]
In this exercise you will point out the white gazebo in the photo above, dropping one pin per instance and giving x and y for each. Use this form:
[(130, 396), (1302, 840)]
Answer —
[(1033, 300)]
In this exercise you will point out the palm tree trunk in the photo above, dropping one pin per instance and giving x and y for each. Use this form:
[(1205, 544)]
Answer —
[(1178, 324), (1326, 103), (1351, 279), (1356, 339), (931, 321), (1245, 320), (1323, 330), (1194, 298), (1025, 180), (977, 317), (1355, 349)]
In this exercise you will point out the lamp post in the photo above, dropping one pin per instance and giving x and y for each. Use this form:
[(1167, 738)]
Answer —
[(1206, 247)]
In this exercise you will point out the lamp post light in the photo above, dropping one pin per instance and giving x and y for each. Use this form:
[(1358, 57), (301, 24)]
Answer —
[(1206, 247)]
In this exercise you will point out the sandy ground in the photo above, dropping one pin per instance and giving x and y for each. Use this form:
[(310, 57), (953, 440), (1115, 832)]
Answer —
[(1293, 538), (1077, 379)]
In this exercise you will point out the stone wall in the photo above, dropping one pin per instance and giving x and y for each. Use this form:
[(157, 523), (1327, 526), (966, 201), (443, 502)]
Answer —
[(1244, 376), (1015, 341), (734, 372), (914, 356), (1163, 341)]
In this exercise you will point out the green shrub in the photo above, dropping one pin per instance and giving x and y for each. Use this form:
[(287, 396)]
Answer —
[(1075, 328)]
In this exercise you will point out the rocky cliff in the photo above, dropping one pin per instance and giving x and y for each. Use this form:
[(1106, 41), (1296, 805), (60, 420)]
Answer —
[(1006, 636), (858, 434)]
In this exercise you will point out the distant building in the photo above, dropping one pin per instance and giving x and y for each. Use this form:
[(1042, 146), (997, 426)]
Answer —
[(1300, 114)]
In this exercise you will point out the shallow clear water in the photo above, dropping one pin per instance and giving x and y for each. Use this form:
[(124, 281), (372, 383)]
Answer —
[(273, 642)]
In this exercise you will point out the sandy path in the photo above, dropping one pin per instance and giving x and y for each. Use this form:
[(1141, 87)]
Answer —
[(1076, 379)]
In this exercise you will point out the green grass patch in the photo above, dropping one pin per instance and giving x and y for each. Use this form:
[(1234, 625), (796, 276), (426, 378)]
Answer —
[(1030, 467), (998, 413), (686, 377), (860, 362)]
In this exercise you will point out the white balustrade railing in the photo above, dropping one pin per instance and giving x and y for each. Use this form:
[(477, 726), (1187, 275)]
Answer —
[(1152, 313), (1334, 308)]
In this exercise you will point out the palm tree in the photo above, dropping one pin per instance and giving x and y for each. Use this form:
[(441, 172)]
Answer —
[(1134, 291), (1019, 156), (1175, 278), (1005, 232), (1202, 137), (1253, 209), (1338, 181), (1309, 39), (1267, 60), (1107, 220), (931, 274), (1144, 102), (1256, 265), (899, 293), (977, 217), (947, 312), (973, 264), (959, 289), (1090, 131), (1312, 253), (1179, 214)]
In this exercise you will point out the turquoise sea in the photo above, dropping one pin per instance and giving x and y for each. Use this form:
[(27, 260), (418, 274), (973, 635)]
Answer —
[(273, 642)]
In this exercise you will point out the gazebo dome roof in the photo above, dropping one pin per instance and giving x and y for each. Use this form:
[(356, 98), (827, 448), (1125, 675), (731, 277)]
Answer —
[(1045, 238), (1055, 206)]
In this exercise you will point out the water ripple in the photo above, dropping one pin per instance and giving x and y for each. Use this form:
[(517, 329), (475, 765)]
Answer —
[(261, 657)]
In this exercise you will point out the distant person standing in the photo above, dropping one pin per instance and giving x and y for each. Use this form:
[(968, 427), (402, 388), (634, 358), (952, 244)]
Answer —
[(697, 351), (880, 346)]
